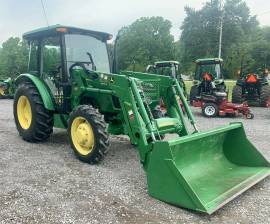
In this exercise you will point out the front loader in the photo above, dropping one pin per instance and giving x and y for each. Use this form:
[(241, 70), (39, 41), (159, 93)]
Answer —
[(69, 85)]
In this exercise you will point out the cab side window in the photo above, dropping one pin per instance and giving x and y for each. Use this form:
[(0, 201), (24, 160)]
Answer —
[(52, 56), (33, 60)]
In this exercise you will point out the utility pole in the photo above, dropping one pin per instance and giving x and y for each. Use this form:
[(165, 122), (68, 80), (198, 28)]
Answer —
[(221, 28)]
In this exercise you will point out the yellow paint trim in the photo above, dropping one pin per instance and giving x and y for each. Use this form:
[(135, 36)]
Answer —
[(82, 136), (24, 112), (2, 92)]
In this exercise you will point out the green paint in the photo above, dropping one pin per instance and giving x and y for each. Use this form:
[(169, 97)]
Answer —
[(199, 171), (42, 89), (206, 170)]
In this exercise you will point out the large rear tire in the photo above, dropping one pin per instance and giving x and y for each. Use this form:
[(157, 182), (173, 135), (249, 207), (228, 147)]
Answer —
[(194, 91), (87, 134), (33, 121), (237, 94), (265, 95)]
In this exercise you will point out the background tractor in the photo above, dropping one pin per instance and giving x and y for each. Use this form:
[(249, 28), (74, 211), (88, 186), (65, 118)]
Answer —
[(208, 76), (253, 88), (167, 68), (69, 85), (7, 88), (209, 91)]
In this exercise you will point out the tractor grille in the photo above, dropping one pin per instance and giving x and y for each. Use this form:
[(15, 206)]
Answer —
[(59, 98), (150, 89)]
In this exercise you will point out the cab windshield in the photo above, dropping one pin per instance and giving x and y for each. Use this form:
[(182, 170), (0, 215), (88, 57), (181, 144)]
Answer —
[(88, 50), (213, 69), (167, 70)]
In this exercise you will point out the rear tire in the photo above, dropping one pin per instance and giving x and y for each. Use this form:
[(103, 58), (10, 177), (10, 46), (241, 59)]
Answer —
[(193, 93), (210, 110), (237, 94), (33, 121), (265, 95), (88, 136)]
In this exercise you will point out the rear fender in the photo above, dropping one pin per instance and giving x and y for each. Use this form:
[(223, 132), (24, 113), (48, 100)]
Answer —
[(41, 87)]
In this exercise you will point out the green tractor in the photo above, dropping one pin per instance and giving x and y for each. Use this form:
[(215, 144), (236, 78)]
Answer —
[(69, 85), (208, 73), (167, 68), (7, 88), (253, 88)]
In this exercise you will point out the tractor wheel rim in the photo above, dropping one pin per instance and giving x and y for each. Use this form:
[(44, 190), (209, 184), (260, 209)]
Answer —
[(2, 92), (24, 112), (82, 136), (210, 110)]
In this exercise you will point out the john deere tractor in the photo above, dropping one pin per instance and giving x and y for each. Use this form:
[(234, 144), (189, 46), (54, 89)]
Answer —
[(208, 77), (253, 88), (167, 68), (69, 85), (7, 88)]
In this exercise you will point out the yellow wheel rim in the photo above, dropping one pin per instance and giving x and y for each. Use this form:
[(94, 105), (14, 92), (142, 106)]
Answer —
[(24, 112), (2, 92), (82, 136)]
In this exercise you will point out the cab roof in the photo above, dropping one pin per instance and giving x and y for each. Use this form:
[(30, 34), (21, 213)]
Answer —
[(166, 62), (209, 61), (57, 29)]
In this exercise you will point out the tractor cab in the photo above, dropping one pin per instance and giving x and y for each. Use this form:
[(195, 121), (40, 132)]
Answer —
[(209, 69), (208, 78), (167, 68), (56, 51)]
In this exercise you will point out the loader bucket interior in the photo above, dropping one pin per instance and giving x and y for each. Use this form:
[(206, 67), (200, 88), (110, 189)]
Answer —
[(205, 170)]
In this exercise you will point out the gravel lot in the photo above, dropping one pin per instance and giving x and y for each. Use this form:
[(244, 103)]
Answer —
[(45, 183)]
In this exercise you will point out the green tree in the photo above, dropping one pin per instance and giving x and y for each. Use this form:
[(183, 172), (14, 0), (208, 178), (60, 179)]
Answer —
[(143, 42), (13, 57), (200, 32)]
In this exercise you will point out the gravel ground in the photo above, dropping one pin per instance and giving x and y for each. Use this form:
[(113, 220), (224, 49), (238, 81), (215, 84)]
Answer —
[(45, 183)]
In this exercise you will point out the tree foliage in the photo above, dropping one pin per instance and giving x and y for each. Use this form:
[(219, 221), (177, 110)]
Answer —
[(13, 57), (144, 42), (245, 45), (200, 34)]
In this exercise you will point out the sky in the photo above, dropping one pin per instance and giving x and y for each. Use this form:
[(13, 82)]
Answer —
[(19, 16)]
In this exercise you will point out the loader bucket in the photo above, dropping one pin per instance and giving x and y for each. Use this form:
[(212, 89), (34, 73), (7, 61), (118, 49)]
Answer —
[(205, 170)]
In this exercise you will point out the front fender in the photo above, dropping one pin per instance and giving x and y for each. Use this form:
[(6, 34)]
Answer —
[(41, 87)]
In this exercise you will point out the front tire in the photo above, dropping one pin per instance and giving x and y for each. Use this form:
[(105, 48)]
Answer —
[(237, 94), (87, 134), (33, 121), (210, 110)]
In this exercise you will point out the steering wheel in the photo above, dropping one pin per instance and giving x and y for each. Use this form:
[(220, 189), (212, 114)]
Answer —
[(82, 65)]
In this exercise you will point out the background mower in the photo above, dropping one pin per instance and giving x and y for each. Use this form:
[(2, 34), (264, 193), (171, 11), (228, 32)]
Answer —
[(69, 85), (252, 88), (217, 104)]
